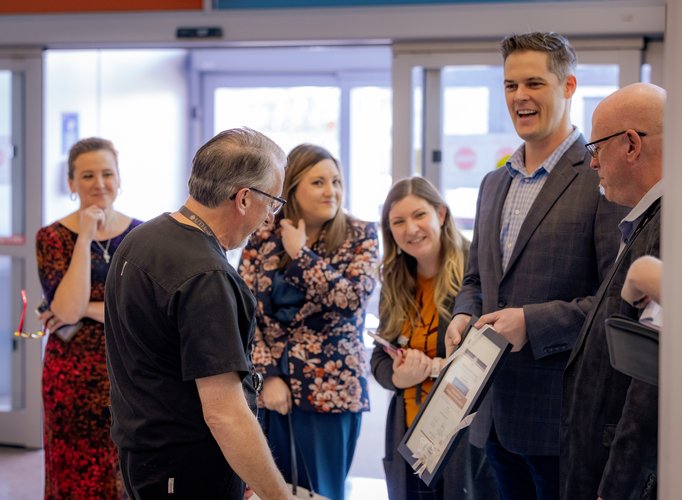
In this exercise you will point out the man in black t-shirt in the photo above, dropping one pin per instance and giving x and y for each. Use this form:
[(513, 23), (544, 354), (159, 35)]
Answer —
[(179, 322)]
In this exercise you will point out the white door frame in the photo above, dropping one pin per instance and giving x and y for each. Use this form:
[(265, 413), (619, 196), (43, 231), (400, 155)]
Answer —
[(23, 426), (626, 53)]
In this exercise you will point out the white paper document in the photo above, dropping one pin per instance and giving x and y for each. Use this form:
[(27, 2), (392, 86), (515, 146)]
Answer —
[(652, 315), (450, 406)]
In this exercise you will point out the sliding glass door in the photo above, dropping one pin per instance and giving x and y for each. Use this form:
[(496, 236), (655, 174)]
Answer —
[(20, 217), (463, 129)]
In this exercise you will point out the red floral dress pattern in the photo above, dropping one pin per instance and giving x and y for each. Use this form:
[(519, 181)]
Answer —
[(80, 458), (323, 342)]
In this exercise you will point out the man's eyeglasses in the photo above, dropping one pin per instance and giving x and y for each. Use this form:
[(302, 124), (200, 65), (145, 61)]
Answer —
[(20, 331), (593, 149), (276, 203)]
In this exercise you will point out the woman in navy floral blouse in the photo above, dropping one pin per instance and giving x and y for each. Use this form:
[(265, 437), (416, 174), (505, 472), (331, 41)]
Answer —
[(312, 273)]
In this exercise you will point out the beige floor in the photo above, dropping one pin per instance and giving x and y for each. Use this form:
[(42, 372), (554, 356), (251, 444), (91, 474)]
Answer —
[(21, 470), (21, 478), (21, 474)]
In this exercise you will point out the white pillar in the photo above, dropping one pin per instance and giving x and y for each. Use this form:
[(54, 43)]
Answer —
[(670, 394)]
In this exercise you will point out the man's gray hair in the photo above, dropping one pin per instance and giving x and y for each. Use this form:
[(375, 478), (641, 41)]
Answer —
[(232, 160), (562, 60)]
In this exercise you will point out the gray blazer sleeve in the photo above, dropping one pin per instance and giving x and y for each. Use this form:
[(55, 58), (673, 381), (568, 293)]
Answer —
[(382, 368)]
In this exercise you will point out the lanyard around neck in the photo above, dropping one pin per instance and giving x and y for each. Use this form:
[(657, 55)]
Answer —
[(201, 223)]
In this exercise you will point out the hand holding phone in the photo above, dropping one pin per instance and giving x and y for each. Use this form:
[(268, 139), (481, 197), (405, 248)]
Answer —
[(67, 332), (44, 314), (64, 332), (42, 307), (383, 342)]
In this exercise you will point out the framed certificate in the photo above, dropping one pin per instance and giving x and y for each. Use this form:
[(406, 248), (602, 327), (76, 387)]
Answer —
[(453, 400)]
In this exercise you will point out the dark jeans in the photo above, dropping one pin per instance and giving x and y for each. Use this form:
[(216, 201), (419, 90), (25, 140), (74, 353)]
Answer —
[(523, 477), (325, 446), (185, 472), (416, 489)]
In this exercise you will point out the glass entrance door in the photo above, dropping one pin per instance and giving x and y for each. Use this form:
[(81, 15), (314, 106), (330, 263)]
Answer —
[(20, 217), (465, 129), (338, 98)]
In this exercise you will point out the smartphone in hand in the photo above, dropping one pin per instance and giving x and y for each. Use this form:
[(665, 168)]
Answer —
[(383, 342), (65, 332), (42, 307)]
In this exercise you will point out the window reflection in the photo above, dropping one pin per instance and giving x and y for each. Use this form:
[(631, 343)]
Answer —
[(287, 115), (370, 151), (478, 134), (6, 152)]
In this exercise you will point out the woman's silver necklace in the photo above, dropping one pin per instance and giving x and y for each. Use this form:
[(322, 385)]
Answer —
[(105, 250)]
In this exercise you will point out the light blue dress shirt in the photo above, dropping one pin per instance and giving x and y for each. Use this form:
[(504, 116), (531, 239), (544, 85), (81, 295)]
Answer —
[(523, 190)]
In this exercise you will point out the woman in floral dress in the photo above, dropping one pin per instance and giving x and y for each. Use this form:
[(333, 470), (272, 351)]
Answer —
[(73, 259), (312, 273)]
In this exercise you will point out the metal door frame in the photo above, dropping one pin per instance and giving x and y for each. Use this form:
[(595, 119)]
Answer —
[(23, 427)]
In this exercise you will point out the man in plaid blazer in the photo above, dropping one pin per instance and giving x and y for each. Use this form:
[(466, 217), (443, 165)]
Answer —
[(543, 240)]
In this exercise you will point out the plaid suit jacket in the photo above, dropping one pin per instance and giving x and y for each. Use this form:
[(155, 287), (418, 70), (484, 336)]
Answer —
[(566, 246)]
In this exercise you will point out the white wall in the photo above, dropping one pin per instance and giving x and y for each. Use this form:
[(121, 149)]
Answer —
[(653, 55), (5, 155), (670, 396), (137, 99), (468, 21)]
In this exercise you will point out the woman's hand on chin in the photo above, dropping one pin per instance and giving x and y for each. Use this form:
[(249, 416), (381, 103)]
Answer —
[(91, 219)]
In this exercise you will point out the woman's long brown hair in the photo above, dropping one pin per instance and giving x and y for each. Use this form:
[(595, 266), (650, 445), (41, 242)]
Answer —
[(301, 159), (399, 270)]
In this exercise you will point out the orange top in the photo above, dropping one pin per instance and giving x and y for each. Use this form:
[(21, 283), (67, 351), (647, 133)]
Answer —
[(424, 337)]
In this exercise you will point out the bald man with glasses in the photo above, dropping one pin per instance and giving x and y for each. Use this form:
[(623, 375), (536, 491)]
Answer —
[(610, 420)]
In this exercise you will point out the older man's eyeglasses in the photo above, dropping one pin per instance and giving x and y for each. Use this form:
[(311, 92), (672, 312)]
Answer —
[(593, 148), (275, 205)]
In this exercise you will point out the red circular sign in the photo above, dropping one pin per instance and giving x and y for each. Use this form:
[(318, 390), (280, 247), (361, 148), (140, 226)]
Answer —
[(465, 158)]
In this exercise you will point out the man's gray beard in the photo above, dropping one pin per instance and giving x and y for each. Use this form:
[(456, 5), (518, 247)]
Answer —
[(601, 190)]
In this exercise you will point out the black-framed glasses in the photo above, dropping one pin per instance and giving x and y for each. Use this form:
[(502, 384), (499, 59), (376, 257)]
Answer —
[(276, 203), (20, 331), (593, 149)]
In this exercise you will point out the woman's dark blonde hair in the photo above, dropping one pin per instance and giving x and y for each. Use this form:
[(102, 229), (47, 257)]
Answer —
[(399, 270), (300, 160)]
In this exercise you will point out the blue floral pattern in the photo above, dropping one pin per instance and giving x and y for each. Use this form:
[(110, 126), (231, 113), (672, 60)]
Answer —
[(323, 343)]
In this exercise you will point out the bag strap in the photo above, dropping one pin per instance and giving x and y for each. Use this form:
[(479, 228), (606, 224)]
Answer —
[(292, 450), (294, 466), (292, 438)]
